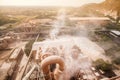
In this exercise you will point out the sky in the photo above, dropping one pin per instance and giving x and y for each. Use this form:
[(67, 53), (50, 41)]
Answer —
[(47, 2)]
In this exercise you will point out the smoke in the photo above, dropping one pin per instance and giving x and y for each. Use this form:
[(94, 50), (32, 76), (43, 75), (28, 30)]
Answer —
[(77, 52), (85, 49), (58, 24), (81, 30)]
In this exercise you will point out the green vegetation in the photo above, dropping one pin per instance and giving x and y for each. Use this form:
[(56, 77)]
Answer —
[(28, 47), (112, 26), (113, 51), (41, 39), (103, 65), (5, 20), (45, 15), (43, 28), (103, 36), (116, 61)]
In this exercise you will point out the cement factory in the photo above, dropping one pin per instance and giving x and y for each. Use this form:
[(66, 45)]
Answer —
[(55, 58), (60, 59)]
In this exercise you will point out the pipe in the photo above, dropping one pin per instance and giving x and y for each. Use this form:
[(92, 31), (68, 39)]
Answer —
[(37, 57), (29, 73), (51, 60), (57, 73), (43, 56)]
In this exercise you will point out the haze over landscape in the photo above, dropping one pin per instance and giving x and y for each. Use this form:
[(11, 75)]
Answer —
[(59, 39), (47, 2)]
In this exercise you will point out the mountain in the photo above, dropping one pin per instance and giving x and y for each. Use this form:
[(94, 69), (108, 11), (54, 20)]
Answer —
[(88, 10), (111, 4), (112, 7), (108, 7)]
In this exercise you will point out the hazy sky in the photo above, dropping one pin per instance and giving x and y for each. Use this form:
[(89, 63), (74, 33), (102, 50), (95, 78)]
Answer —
[(47, 2)]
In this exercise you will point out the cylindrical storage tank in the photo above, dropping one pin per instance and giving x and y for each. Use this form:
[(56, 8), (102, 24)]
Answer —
[(51, 60)]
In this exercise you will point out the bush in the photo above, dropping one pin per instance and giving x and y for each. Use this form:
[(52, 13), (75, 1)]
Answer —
[(112, 26), (103, 65), (103, 36), (116, 61), (5, 20), (40, 39)]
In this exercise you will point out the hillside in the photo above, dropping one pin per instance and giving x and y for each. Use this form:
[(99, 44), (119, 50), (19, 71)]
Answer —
[(108, 7)]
